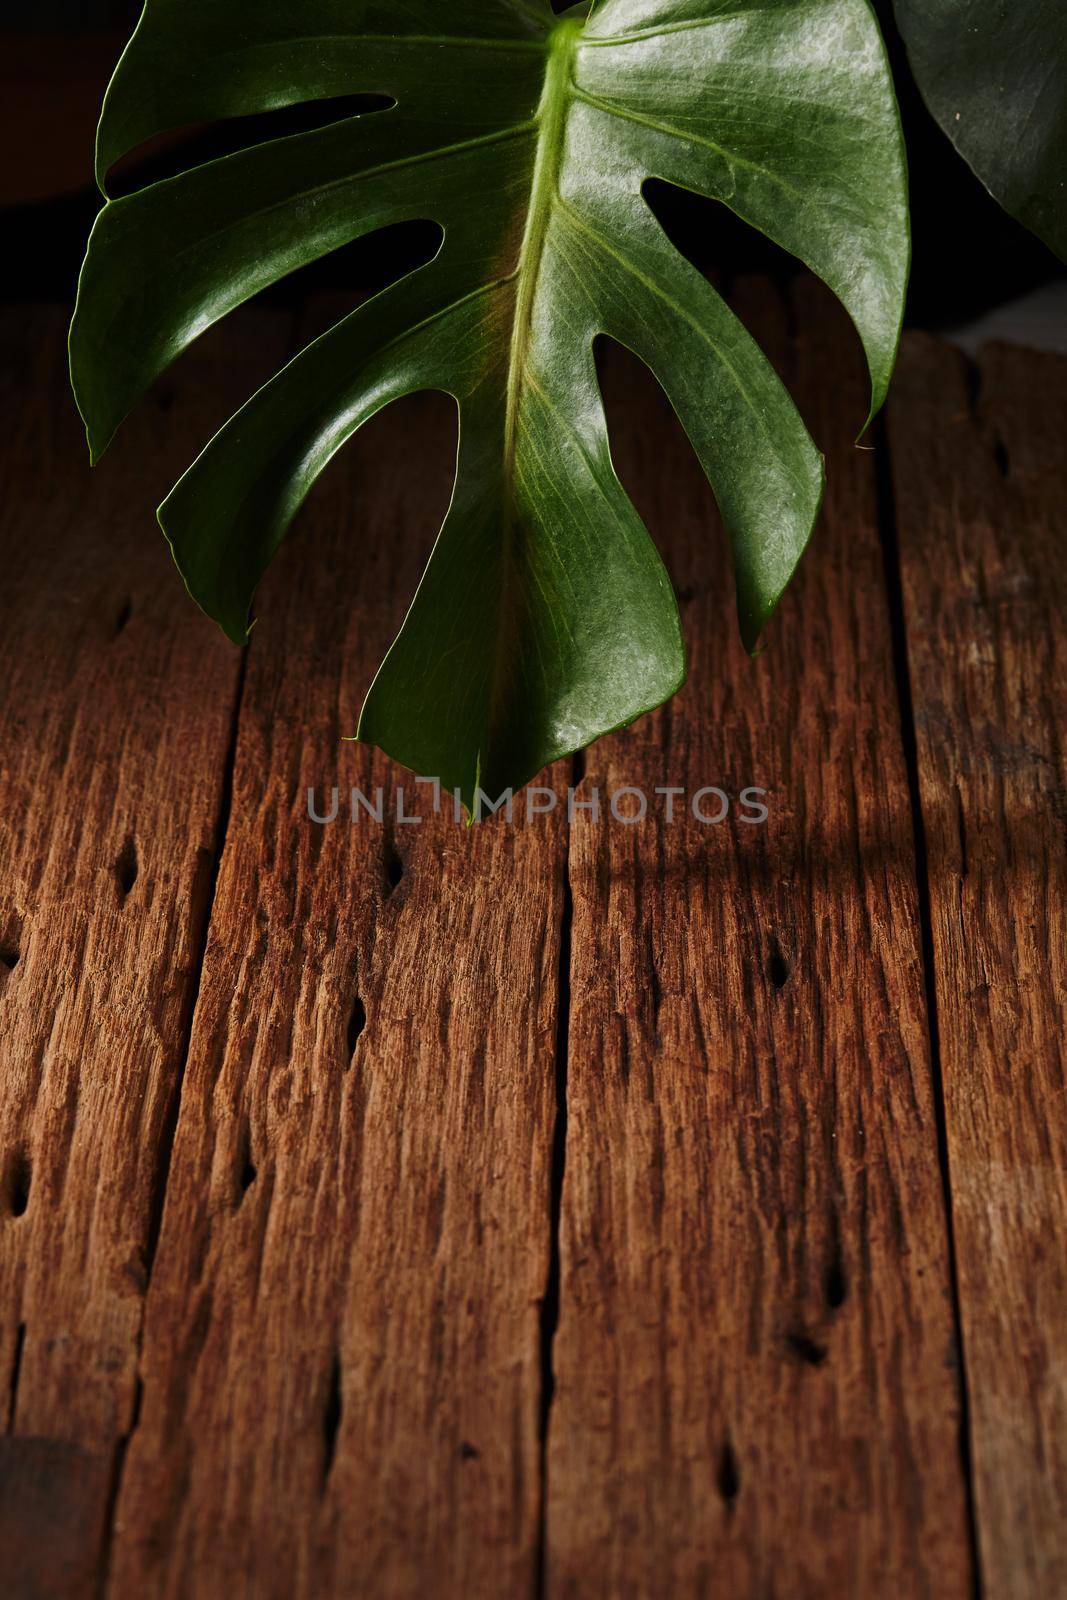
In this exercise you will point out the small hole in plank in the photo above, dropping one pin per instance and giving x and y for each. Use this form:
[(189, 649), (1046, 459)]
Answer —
[(11, 944), (247, 1171), (357, 1021), (806, 1349), (331, 1418), (1001, 457), (836, 1284), (467, 1452), (778, 970), (729, 1475), (394, 868), (125, 613), (127, 867), (19, 1176)]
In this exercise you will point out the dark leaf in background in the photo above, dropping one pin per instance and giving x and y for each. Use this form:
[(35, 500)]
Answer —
[(994, 74)]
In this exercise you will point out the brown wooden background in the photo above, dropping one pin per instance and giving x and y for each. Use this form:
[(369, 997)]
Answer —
[(579, 1211)]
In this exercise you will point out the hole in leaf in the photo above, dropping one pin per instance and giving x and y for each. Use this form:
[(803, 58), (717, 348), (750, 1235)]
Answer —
[(713, 237), (181, 149), (362, 268)]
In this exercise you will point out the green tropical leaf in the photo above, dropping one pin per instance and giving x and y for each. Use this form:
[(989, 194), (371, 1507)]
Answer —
[(545, 617), (994, 74)]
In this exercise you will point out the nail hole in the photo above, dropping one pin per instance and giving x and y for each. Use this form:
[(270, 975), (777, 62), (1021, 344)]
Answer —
[(806, 1349), (778, 968), (836, 1284), (467, 1452), (11, 945), (126, 867), (1001, 457), (729, 1477), (247, 1171), (331, 1418), (19, 1174), (357, 1021), (125, 613), (394, 868)]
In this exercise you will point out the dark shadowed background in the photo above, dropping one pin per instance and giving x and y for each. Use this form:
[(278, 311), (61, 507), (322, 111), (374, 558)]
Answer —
[(54, 65)]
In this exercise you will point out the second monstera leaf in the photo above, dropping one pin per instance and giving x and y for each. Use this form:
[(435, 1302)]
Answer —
[(545, 617), (992, 72)]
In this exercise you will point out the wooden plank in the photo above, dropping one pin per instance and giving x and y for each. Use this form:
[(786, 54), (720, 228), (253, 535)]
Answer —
[(982, 523), (53, 1518), (755, 1362), (342, 1380), (116, 709)]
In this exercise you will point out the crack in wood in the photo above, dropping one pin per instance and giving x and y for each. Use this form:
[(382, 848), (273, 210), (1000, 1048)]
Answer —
[(550, 1304), (331, 1418), (888, 532), (16, 1368), (201, 918)]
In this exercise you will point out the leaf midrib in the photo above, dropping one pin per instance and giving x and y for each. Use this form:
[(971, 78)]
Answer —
[(550, 120)]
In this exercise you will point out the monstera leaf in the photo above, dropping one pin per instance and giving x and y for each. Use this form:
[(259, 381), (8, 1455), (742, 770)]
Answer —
[(994, 74), (545, 617)]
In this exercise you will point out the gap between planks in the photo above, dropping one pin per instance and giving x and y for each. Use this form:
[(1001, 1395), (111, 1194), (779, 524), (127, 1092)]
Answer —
[(887, 527)]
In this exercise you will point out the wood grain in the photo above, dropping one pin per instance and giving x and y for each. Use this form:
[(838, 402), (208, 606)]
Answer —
[(284, 1306), (342, 1378), (116, 707), (755, 1361), (982, 521)]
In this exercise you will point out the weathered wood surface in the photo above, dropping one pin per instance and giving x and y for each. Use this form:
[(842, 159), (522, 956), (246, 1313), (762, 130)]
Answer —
[(328, 1325), (115, 719), (341, 1363), (981, 502), (756, 1365)]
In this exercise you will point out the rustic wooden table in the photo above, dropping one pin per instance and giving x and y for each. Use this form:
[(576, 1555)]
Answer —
[(592, 1210)]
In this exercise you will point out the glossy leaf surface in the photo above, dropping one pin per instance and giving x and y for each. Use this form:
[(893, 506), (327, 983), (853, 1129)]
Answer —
[(994, 74), (545, 617)]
